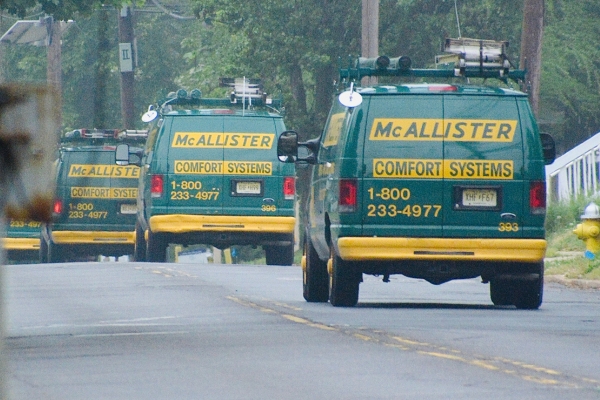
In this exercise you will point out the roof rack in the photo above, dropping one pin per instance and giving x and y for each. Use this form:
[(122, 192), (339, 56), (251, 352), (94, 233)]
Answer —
[(95, 135), (247, 93), (468, 58)]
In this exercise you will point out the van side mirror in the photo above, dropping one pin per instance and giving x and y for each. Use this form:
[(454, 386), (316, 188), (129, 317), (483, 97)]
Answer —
[(287, 147), (548, 148), (290, 151), (123, 155)]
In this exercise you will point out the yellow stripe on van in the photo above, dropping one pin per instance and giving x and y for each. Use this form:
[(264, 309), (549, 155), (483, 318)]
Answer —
[(103, 193), (199, 167), (458, 130), (219, 140), (407, 168), (478, 169), (437, 169), (103, 171), (334, 129)]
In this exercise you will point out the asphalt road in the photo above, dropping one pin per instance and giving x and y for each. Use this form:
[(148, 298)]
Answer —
[(183, 331)]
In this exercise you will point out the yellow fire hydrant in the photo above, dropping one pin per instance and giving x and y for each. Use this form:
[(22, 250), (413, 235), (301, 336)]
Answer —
[(589, 230)]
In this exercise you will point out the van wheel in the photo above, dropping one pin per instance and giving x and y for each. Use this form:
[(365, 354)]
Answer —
[(343, 282), (280, 255), (43, 250), (528, 294), (56, 253), (156, 247), (315, 280), (501, 292), (139, 250)]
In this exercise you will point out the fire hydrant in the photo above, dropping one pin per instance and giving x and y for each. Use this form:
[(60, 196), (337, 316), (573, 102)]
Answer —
[(589, 230)]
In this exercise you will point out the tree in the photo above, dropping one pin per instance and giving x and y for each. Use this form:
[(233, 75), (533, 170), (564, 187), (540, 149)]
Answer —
[(61, 10), (292, 45), (90, 65), (570, 86)]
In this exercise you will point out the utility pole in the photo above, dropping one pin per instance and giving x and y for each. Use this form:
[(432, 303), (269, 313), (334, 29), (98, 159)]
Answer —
[(370, 34), (54, 58), (127, 64), (531, 49)]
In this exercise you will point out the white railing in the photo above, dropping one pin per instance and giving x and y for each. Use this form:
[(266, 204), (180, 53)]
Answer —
[(575, 172)]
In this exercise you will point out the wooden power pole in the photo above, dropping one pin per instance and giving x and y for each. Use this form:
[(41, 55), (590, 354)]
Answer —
[(370, 34), (54, 58), (127, 64), (531, 49)]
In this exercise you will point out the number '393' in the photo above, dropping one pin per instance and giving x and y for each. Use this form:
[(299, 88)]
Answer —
[(508, 227)]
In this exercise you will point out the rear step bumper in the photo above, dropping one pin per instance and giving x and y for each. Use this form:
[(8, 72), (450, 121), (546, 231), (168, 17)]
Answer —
[(184, 223), (388, 249)]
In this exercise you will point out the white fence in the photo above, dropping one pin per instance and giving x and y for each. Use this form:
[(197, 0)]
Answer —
[(575, 172)]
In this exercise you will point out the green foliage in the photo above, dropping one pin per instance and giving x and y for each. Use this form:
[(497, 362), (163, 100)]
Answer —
[(294, 47), (91, 86), (59, 9), (563, 215), (570, 85), (286, 43), (91, 76)]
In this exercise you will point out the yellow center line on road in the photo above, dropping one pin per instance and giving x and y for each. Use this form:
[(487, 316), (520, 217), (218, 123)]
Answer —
[(518, 369), (526, 371)]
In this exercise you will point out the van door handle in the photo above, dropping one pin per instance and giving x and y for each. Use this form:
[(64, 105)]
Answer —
[(509, 216)]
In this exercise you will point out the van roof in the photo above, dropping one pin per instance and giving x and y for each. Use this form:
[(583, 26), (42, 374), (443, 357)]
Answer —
[(437, 88), (223, 111), (91, 147)]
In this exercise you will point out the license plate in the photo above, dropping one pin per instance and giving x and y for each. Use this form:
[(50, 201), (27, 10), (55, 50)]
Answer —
[(247, 187), (128, 209), (479, 198)]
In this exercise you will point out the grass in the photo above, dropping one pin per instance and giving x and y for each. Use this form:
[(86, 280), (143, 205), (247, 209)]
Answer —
[(565, 253)]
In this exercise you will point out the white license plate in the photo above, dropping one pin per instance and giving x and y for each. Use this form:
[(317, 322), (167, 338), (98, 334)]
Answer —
[(247, 187), (128, 209), (479, 197)]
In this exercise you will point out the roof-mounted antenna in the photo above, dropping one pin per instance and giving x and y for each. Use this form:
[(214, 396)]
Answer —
[(457, 21)]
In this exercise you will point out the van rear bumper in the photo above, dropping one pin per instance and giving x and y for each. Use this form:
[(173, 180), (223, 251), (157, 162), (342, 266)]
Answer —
[(389, 249), (93, 237), (183, 223), (20, 244)]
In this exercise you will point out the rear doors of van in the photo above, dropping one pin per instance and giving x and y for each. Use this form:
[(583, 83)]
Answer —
[(225, 165), (96, 194), (443, 165)]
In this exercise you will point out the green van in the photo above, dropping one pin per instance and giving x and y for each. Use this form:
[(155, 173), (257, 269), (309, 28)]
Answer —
[(210, 175), (432, 181), (22, 241), (95, 206)]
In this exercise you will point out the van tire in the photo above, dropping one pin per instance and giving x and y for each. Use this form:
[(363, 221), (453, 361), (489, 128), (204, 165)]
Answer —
[(56, 253), (315, 280), (280, 255), (43, 250), (502, 292), (139, 250), (343, 283), (529, 294), (156, 247)]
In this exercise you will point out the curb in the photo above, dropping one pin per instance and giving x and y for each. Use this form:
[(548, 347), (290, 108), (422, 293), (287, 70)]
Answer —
[(573, 283)]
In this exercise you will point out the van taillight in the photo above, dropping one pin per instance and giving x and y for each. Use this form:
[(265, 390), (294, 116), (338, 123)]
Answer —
[(537, 197), (156, 185), (347, 199), (58, 207), (289, 187)]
